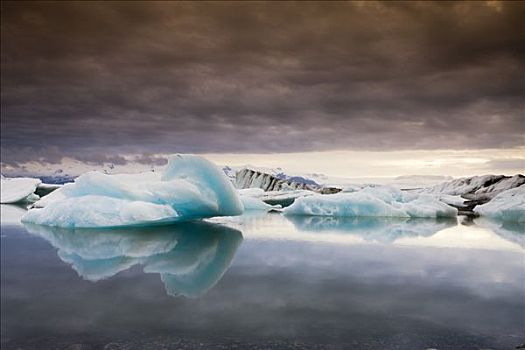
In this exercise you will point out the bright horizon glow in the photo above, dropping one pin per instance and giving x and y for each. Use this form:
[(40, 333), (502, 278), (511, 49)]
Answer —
[(346, 164), (362, 164)]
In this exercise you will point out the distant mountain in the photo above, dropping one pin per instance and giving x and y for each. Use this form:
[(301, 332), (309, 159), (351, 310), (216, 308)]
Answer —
[(57, 179), (230, 172), (298, 179)]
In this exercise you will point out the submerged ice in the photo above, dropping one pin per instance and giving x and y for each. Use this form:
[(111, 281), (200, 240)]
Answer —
[(379, 201), (190, 187)]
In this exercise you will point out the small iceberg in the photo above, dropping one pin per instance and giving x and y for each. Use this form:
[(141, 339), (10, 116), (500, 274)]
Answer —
[(508, 205), (18, 190), (382, 201), (190, 188)]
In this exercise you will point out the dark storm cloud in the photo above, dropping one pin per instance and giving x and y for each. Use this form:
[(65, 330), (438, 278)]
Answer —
[(83, 79)]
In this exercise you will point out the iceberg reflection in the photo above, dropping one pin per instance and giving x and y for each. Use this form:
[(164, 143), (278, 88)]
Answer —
[(190, 257), (385, 230), (511, 231)]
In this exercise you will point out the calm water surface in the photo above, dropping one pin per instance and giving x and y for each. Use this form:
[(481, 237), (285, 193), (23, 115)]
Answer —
[(264, 281)]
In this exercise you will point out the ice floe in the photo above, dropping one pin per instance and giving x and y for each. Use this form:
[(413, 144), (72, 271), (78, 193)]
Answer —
[(18, 190)]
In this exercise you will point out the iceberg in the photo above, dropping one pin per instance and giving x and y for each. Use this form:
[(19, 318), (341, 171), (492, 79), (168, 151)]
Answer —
[(18, 190), (266, 179), (190, 188), (508, 205), (276, 180), (189, 257), (382, 201), (54, 196)]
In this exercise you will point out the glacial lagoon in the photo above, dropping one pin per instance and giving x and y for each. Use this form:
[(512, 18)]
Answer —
[(264, 281)]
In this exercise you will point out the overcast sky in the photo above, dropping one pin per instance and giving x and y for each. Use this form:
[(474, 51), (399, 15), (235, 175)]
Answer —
[(104, 82)]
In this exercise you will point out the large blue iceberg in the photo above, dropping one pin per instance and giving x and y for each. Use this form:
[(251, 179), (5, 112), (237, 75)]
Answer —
[(190, 188)]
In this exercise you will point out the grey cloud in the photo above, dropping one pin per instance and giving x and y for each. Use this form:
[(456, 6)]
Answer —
[(150, 160), (129, 77), (101, 159), (509, 163)]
